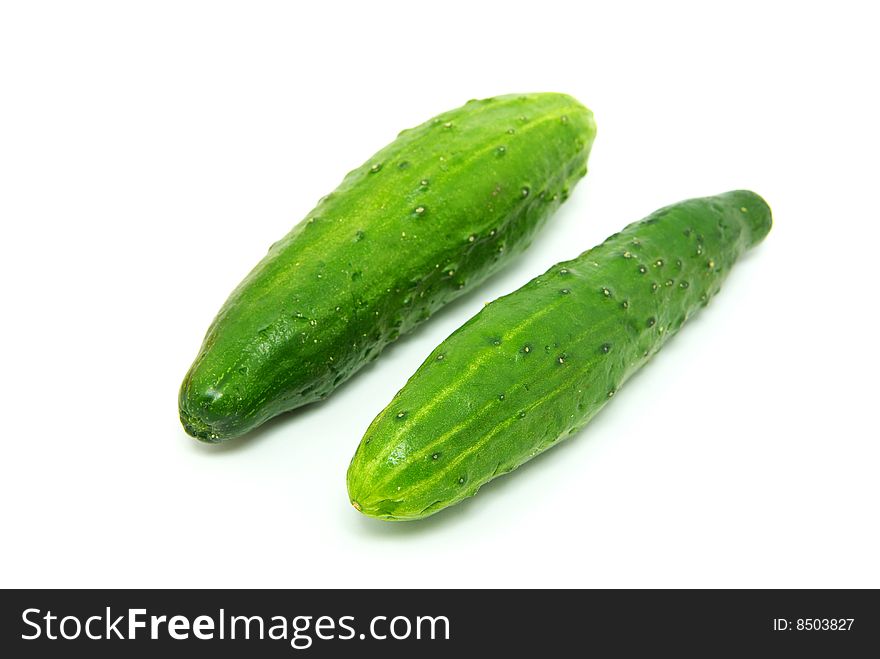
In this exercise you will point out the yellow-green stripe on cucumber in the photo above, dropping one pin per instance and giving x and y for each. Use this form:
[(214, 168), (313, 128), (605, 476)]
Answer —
[(534, 366), (425, 219)]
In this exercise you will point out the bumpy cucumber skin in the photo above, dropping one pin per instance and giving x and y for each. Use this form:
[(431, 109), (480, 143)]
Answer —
[(535, 366), (425, 219)]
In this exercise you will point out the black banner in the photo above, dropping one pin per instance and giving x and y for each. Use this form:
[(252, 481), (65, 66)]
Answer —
[(289, 623)]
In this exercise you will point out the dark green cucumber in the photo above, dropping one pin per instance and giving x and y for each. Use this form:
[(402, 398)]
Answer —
[(425, 219), (535, 366)]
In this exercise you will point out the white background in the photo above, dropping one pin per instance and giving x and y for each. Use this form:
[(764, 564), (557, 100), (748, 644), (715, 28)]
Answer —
[(151, 151)]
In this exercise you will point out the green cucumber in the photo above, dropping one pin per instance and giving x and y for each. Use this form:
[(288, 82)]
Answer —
[(535, 366), (427, 218)]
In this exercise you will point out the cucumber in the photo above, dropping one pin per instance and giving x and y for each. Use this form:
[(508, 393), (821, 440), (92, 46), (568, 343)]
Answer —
[(427, 218), (534, 366)]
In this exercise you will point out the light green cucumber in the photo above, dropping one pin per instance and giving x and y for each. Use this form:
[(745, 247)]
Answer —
[(534, 366), (425, 219)]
